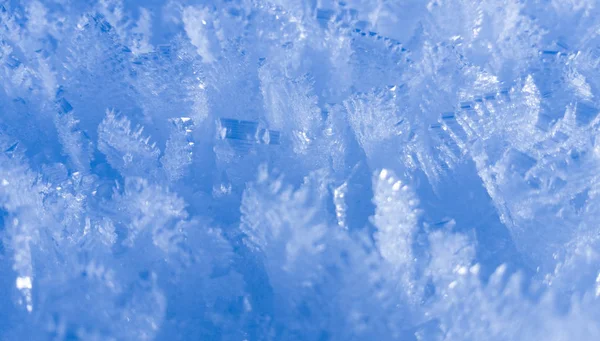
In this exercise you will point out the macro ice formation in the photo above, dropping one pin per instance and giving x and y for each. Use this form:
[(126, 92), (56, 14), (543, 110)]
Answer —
[(419, 170)]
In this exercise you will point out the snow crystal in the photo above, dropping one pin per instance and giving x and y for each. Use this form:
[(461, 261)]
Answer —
[(299, 170)]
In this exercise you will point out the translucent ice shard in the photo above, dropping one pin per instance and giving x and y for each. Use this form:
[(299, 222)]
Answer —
[(179, 149), (290, 106), (396, 218), (246, 132), (125, 147), (150, 208)]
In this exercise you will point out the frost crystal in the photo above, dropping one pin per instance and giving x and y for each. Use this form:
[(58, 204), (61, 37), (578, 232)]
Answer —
[(299, 170)]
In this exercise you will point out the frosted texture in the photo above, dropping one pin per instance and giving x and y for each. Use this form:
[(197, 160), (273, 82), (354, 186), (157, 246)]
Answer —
[(421, 170)]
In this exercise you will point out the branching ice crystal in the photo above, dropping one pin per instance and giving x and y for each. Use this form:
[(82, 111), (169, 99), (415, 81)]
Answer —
[(299, 170)]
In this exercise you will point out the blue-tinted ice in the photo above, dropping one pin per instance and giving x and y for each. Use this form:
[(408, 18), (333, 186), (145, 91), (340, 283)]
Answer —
[(299, 170)]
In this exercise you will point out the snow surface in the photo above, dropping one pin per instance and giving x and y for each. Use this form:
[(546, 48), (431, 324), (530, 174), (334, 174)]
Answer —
[(299, 170)]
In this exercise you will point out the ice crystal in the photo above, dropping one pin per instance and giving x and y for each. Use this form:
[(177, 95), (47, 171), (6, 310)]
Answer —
[(299, 170)]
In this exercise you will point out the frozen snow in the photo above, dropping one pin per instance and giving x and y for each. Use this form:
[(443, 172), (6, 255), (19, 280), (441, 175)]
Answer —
[(299, 170)]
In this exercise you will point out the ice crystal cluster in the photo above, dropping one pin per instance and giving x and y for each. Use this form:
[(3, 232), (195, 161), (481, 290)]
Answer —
[(419, 170)]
